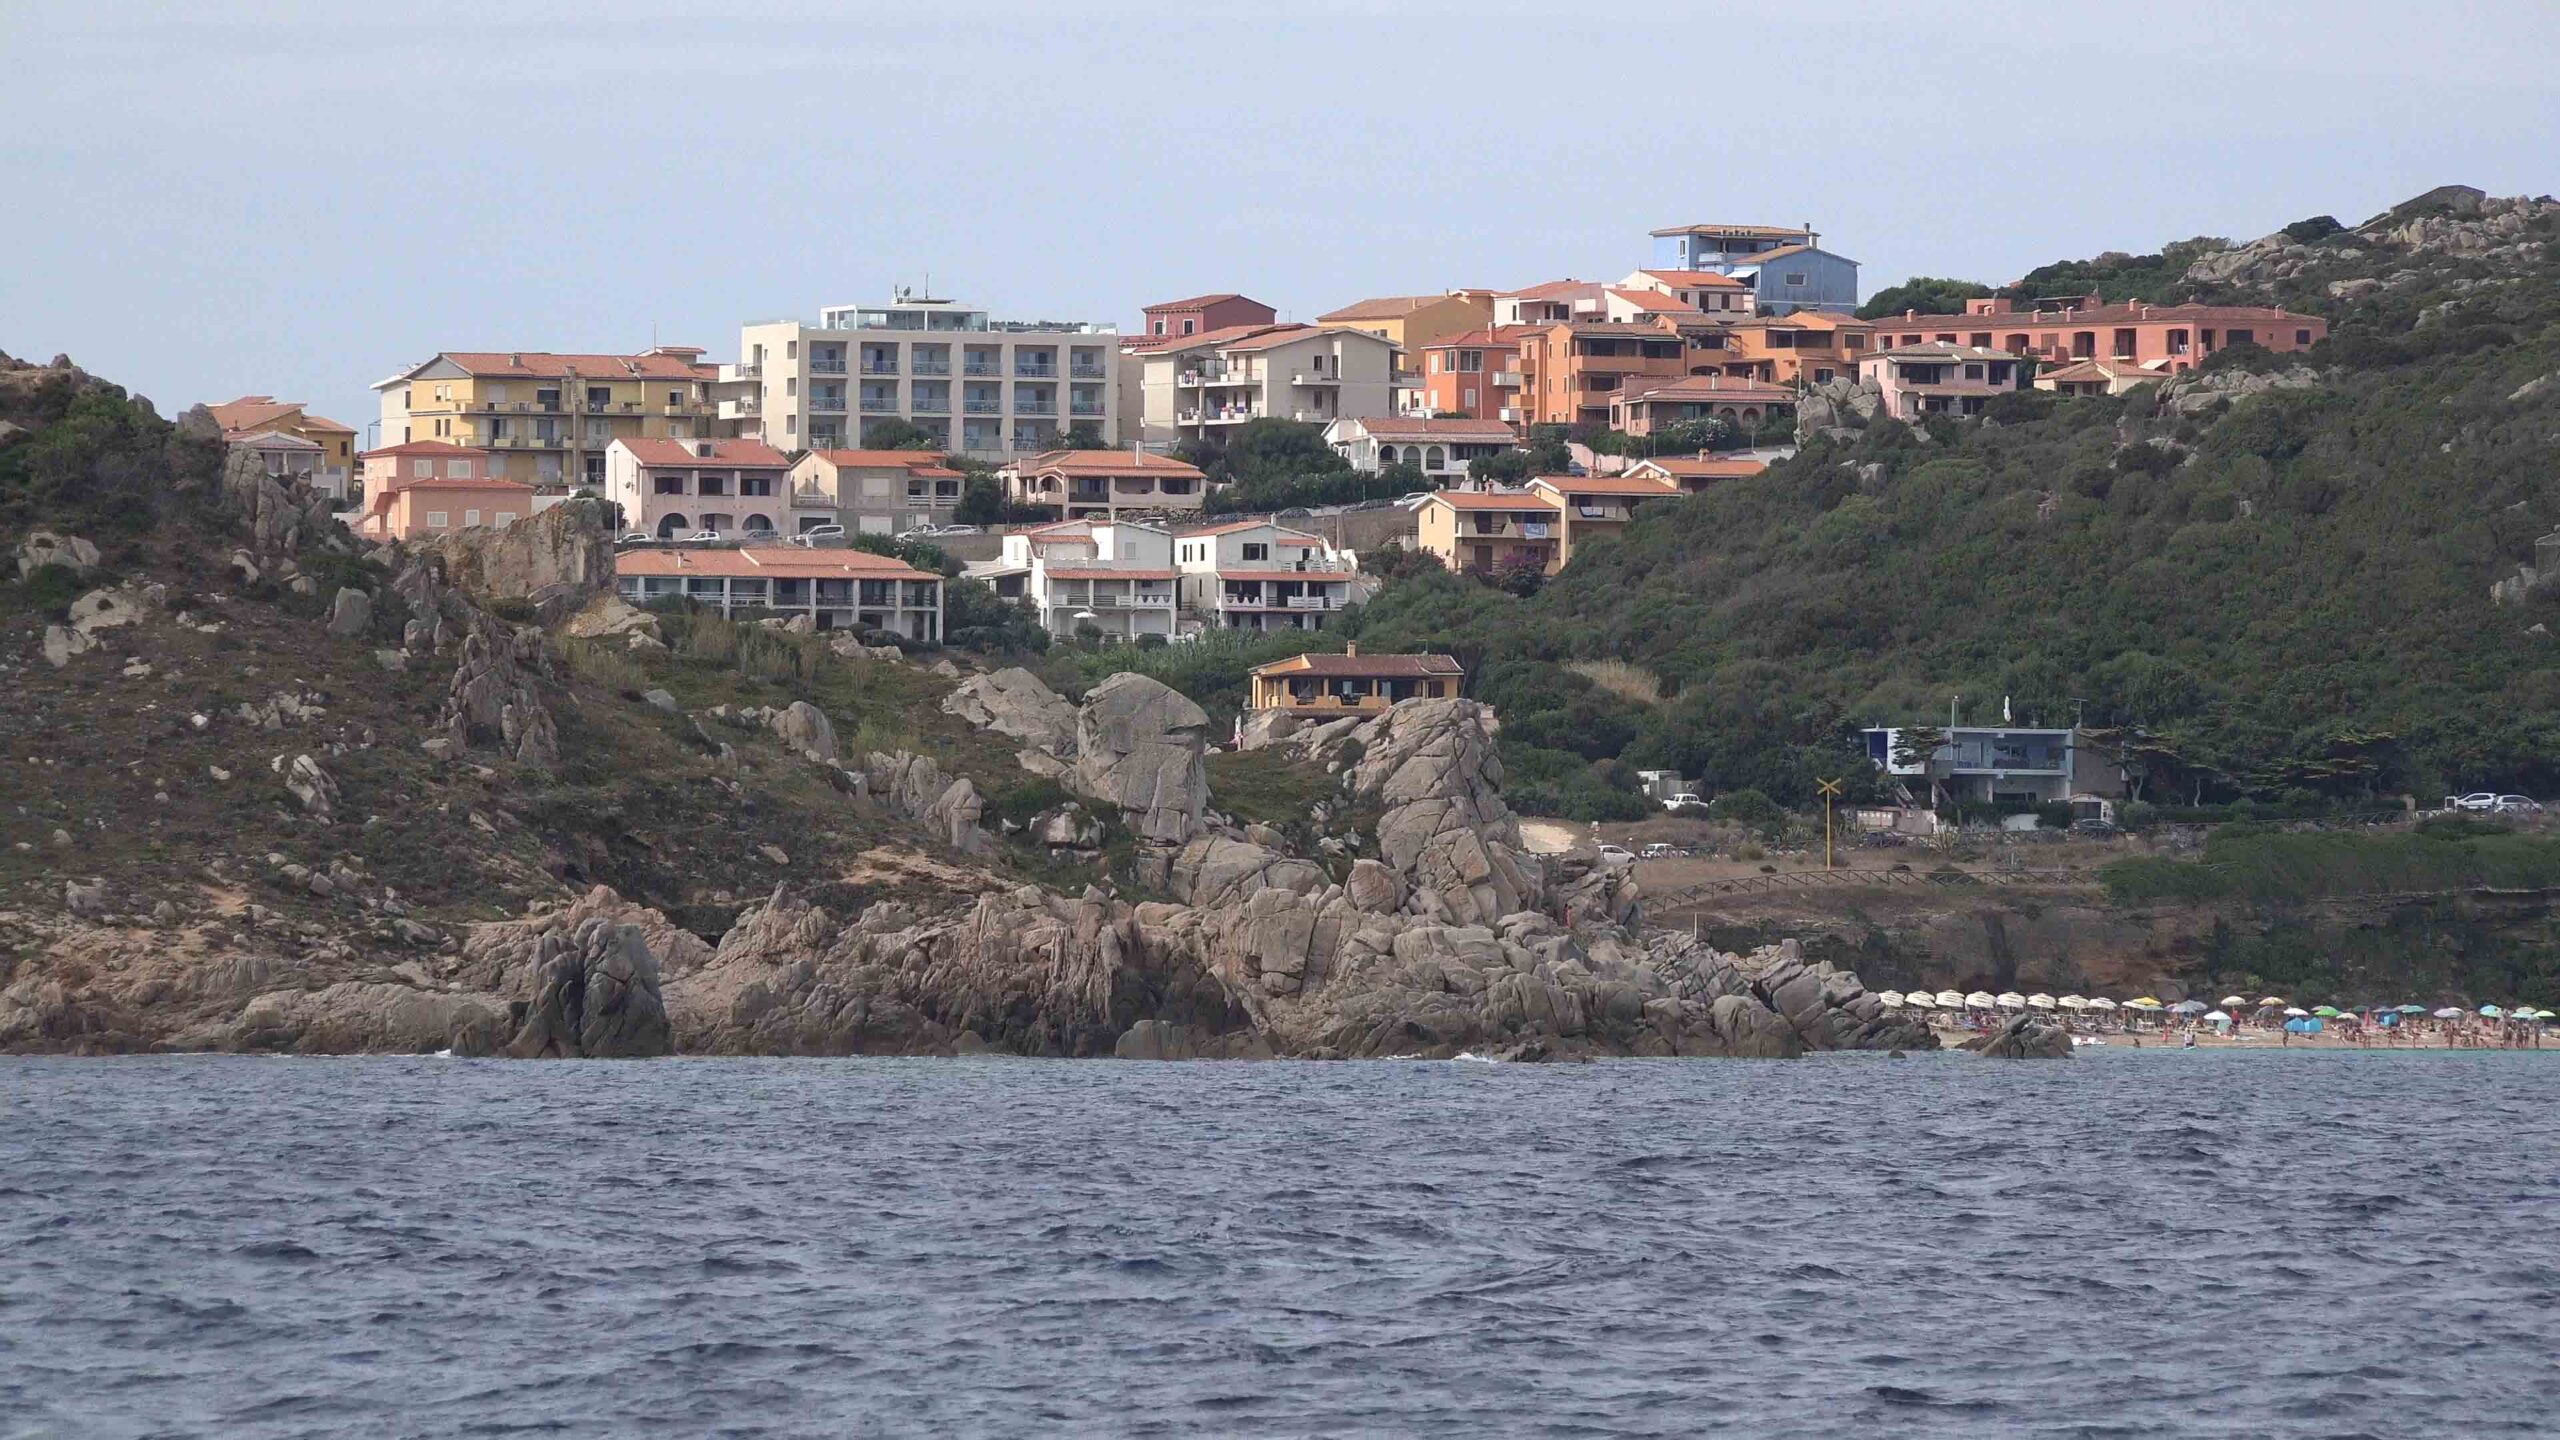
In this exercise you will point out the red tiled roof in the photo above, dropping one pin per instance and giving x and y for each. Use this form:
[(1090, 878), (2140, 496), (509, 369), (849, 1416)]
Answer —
[(747, 454), (1232, 526), (1652, 300), (1382, 307), (1196, 302), (1210, 339), (422, 447), (439, 482), (778, 562), (1105, 464), (1087, 572), (1605, 485), (1695, 279), (250, 411), (1552, 290), (1690, 467), (1492, 500), (1289, 335), (1494, 337), (916, 462), (1401, 427), (1711, 387), (548, 365), (1382, 667), (2129, 312)]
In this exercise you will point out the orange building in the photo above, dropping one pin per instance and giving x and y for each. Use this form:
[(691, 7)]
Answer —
[(1475, 373), (1642, 407), (1806, 347), (2166, 338), (1699, 472), (1570, 371)]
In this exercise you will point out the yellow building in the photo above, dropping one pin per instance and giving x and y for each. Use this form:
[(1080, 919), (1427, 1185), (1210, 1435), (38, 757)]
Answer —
[(1490, 530), (545, 417), (266, 415), (1594, 507), (1329, 686), (1412, 322)]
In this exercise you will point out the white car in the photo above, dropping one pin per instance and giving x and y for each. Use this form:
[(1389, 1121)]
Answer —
[(2476, 800), (637, 537), (1682, 801), (2517, 804), (817, 535), (700, 537), (1617, 855)]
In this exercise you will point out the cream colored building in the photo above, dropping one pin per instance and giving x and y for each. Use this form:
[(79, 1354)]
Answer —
[(1203, 387), (981, 386), (546, 417)]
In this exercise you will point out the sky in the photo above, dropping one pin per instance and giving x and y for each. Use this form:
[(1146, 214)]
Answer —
[(299, 199)]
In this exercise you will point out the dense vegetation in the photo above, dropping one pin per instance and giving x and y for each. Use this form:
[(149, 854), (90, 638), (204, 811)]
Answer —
[(2281, 596), (1927, 294), (2247, 862)]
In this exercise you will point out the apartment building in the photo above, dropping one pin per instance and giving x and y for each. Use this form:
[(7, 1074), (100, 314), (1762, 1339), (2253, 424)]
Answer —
[(674, 488), (2098, 375), (1257, 575), (1572, 370), (545, 417), (1938, 378), (1083, 578), (1553, 303), (1594, 507), (1326, 686), (972, 383), (333, 462), (279, 453), (1475, 373), (874, 492), (1719, 297), (1785, 267), (1411, 322), (836, 589), (1489, 530), (1105, 484), (1642, 407), (1197, 389), (2167, 338), (428, 487), (1808, 347), (1201, 314), (1440, 448)]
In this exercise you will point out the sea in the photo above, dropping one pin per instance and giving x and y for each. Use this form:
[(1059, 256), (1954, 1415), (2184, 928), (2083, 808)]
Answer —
[(2127, 1243)]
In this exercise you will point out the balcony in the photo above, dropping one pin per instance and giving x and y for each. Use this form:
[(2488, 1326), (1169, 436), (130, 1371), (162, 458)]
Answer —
[(1088, 372), (982, 407), (981, 367), (1313, 377), (932, 405), (1506, 379), (879, 367), (879, 404), (1235, 416), (741, 409), (811, 495), (923, 366), (1035, 372), (1085, 407), (1407, 377), (826, 404), (1035, 407), (827, 367), (743, 370)]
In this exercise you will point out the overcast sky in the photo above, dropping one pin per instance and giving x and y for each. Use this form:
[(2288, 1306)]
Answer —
[(301, 198)]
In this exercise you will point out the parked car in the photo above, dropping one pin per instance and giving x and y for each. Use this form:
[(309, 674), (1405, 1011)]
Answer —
[(758, 537), (2517, 804), (960, 530), (1682, 801), (637, 537), (818, 535), (1617, 855), (701, 537), (1661, 850), (2476, 800)]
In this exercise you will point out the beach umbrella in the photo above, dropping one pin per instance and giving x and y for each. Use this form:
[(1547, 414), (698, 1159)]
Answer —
[(2348, 1017), (1890, 999), (2039, 1002), (2296, 1011), (2072, 1002), (1917, 999), (2189, 1007), (2324, 1011), (2270, 999), (2298, 1026), (2448, 1013), (2230, 1000), (2102, 1003), (2012, 1000), (2217, 1017), (2492, 1011), (1979, 1000), (2413, 1009), (1950, 1000)]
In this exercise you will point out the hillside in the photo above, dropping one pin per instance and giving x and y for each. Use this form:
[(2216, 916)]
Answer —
[(2278, 569)]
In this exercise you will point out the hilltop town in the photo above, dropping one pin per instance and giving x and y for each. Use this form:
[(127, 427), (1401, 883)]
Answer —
[(1231, 685)]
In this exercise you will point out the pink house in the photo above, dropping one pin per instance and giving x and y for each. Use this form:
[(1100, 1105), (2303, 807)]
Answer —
[(1201, 314), (1938, 379), (427, 487), (671, 488)]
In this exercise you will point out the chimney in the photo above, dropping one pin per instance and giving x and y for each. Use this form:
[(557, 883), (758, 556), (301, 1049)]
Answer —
[(1351, 651), (1705, 454), (515, 357)]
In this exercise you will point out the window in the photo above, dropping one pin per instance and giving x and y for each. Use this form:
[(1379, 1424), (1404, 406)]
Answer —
[(456, 469), (1257, 552), (503, 518), (1386, 454), (1821, 375), (2301, 337), (1159, 327), (1973, 372), (2239, 337), (791, 386), (675, 397), (1435, 458), (755, 485), (791, 350), (1187, 327), (436, 519), (1796, 277), (470, 517), (666, 485), (423, 469)]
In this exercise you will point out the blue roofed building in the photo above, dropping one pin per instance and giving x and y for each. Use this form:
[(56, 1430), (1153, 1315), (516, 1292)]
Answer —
[(1786, 267)]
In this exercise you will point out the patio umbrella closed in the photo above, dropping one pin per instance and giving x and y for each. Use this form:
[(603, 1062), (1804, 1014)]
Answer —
[(1890, 999), (2073, 1002), (1950, 1000), (2102, 1003), (2011, 1000), (2039, 1002)]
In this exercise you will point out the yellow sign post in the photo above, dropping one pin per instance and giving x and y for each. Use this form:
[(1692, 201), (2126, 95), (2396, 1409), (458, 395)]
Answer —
[(1830, 792)]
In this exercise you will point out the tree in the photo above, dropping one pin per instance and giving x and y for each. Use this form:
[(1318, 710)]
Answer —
[(1927, 294), (1522, 573), (891, 433), (1916, 747), (1083, 435), (981, 501)]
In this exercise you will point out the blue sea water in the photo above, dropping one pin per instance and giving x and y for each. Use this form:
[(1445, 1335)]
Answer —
[(2126, 1244)]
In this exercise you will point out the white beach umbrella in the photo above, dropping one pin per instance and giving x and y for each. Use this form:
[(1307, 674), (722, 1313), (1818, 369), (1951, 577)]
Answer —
[(2142, 1003), (1979, 1000), (2448, 1013), (1919, 1000), (2217, 1017), (2011, 1000), (2073, 1002), (2102, 1003), (2270, 999), (2039, 1001), (1890, 999), (2228, 1001), (1950, 1000), (2295, 1012)]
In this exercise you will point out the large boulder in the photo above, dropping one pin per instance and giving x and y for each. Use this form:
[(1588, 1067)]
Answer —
[(805, 729), (1143, 746), (44, 547), (1017, 704), (2027, 1037), (350, 613), (1431, 769), (595, 996), (556, 560)]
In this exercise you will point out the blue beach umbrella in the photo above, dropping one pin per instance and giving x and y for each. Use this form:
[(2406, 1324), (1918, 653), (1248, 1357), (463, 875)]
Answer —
[(2492, 1011)]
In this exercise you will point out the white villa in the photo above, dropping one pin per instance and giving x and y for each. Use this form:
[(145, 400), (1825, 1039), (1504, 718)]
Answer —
[(1256, 575), (1114, 578)]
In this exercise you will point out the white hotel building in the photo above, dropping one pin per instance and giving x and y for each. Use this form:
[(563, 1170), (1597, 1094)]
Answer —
[(989, 388)]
